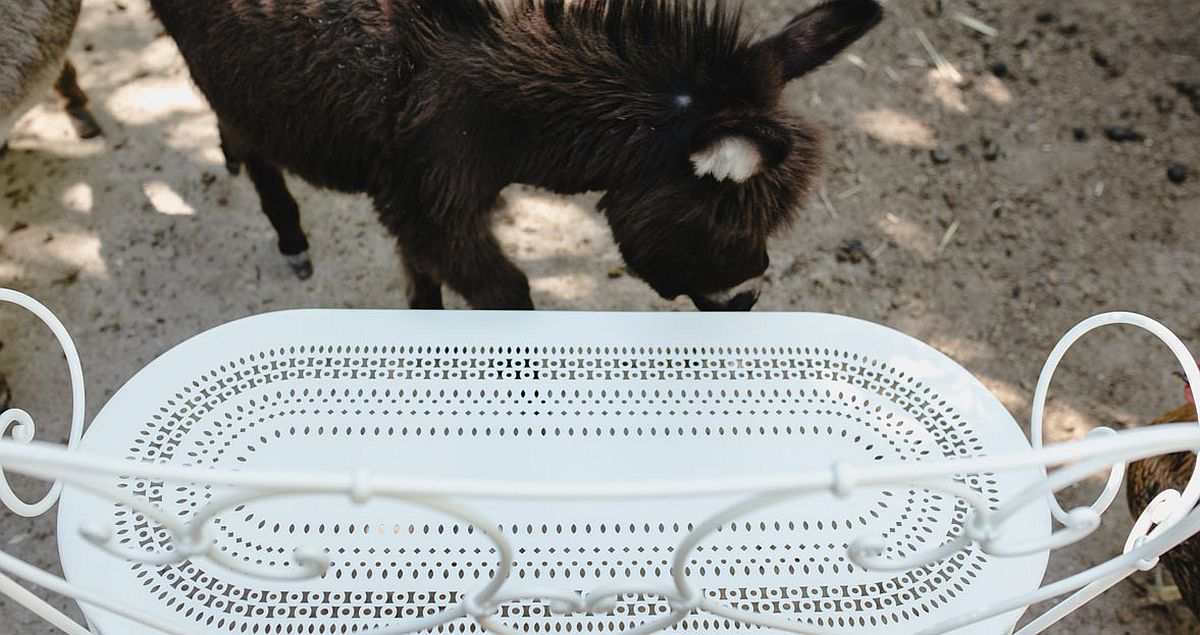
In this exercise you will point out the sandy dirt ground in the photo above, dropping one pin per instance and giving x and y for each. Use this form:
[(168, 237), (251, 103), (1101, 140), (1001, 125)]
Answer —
[(139, 240)]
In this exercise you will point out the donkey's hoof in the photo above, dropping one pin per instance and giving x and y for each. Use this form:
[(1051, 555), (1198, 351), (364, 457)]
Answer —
[(233, 166), (301, 265), (85, 124)]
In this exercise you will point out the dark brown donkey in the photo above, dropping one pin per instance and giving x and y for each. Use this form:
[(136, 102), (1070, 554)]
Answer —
[(433, 106)]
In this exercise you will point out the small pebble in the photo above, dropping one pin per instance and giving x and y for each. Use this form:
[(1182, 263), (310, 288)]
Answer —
[(991, 151), (1100, 59), (1069, 29), (616, 272), (1046, 17), (1123, 135), (963, 149), (939, 156), (1000, 69), (1177, 173), (1016, 292), (1080, 134)]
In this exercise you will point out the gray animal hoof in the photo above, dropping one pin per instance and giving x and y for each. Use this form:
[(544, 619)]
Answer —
[(301, 265)]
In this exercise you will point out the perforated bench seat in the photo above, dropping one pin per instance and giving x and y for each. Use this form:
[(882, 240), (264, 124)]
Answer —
[(556, 398)]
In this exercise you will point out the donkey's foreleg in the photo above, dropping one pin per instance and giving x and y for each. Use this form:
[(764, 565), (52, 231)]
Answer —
[(229, 148), (277, 202), (283, 212), (461, 252), (424, 291)]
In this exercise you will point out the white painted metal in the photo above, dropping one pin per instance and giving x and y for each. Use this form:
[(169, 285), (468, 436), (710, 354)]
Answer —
[(387, 472)]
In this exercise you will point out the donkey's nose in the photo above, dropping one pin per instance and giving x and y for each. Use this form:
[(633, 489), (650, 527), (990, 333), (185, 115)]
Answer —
[(740, 298), (743, 301)]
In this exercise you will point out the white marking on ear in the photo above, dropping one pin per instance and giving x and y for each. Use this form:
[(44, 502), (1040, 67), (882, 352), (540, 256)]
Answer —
[(733, 158)]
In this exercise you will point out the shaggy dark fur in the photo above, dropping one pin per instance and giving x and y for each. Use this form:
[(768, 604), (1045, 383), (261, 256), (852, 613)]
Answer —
[(433, 106)]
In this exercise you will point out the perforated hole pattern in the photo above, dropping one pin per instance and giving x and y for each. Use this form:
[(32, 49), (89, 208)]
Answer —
[(236, 412)]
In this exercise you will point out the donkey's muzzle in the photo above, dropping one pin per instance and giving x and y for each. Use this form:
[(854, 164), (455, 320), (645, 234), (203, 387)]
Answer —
[(740, 298)]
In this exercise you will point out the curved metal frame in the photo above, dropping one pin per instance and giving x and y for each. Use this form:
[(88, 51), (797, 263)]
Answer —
[(1170, 520)]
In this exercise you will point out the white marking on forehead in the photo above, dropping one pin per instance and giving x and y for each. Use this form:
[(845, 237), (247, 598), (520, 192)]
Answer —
[(683, 101), (733, 158)]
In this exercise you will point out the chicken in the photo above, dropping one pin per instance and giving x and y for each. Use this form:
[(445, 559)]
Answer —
[(1146, 479)]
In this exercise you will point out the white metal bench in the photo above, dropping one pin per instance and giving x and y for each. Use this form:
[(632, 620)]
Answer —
[(392, 472)]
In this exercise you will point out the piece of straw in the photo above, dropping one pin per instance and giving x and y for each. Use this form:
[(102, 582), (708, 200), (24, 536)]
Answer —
[(833, 213), (948, 236), (850, 192), (943, 65), (972, 23)]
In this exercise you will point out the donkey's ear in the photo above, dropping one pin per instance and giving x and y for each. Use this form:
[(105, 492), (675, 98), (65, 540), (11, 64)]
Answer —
[(733, 158), (738, 150), (815, 37)]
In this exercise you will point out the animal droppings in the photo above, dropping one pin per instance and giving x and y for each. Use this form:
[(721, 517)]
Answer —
[(1177, 173), (1123, 135)]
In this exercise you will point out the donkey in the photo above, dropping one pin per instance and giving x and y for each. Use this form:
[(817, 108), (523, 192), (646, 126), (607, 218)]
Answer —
[(34, 35), (432, 107)]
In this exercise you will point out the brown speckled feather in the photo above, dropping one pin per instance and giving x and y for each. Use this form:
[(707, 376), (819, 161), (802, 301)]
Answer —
[(1148, 478)]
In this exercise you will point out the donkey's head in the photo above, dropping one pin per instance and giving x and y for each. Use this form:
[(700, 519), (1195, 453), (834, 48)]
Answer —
[(725, 165)]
